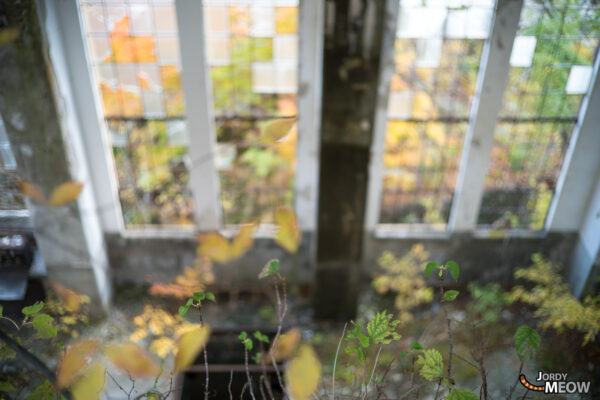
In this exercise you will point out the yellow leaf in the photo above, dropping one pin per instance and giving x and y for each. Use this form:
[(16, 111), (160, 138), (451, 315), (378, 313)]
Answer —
[(189, 345), (288, 233), (75, 362), (243, 241), (71, 300), (162, 346), (286, 344), (65, 193), (276, 129), (138, 335), (286, 19), (214, 246), (89, 386), (303, 374), (30, 190), (217, 248), (423, 106), (132, 359)]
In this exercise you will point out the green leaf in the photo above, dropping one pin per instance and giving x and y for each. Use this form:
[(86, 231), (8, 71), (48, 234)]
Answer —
[(246, 341), (432, 265), (210, 296), (454, 269), (416, 346), (43, 392), (6, 387), (462, 394), (353, 334), (7, 353), (260, 337), (256, 358), (1, 309), (403, 354), (199, 296), (183, 310), (527, 342), (43, 325), (32, 309), (382, 329), (364, 340), (431, 363), (450, 295), (270, 268), (351, 350)]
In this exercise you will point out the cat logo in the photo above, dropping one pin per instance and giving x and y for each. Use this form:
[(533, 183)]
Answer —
[(555, 383)]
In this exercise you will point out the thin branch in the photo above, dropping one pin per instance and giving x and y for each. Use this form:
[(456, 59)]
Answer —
[(229, 386), (118, 385), (281, 311), (337, 352), (199, 307), (267, 380), (261, 388), (514, 386), (379, 346), (13, 322), (248, 372)]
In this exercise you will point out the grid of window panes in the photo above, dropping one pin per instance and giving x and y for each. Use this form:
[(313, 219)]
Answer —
[(551, 67), (252, 51), (10, 198), (134, 51), (437, 53)]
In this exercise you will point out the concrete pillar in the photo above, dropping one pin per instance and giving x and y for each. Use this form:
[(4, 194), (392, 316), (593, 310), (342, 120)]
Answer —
[(47, 147), (351, 70)]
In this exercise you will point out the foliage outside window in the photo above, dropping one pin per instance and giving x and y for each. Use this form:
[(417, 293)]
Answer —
[(437, 51), (134, 52), (551, 66), (252, 51)]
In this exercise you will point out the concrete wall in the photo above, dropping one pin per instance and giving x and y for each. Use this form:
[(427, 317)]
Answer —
[(144, 260)]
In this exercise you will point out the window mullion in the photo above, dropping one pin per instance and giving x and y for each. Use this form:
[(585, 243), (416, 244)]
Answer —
[(204, 179), (89, 112), (310, 32), (375, 184), (581, 166), (489, 91)]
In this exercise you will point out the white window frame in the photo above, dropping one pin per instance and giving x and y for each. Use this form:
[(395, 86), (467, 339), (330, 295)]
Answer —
[(491, 81), (204, 179)]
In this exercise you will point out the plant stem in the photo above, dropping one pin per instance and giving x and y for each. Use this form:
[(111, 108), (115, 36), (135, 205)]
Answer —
[(264, 371), (248, 372), (199, 307), (281, 311), (337, 352), (514, 386), (379, 346), (229, 386), (448, 321)]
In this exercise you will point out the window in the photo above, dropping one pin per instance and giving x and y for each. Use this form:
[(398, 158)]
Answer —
[(134, 52), (437, 53), (252, 51), (551, 67)]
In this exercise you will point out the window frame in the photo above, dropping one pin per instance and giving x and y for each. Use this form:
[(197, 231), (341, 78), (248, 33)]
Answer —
[(477, 147), (199, 117)]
